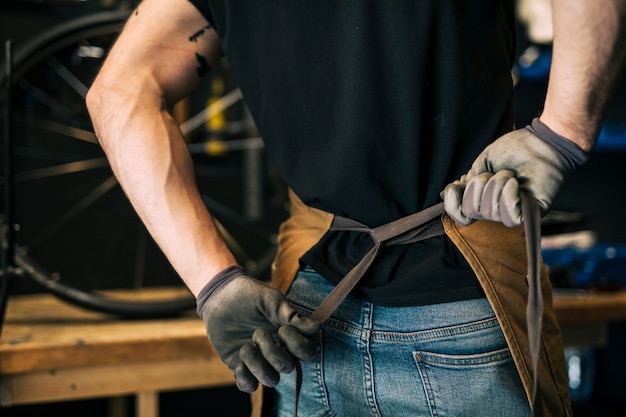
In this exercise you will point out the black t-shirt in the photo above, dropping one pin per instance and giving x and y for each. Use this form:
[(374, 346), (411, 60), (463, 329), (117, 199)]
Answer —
[(368, 109)]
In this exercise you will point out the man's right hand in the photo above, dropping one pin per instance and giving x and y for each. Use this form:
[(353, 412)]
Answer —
[(534, 160), (254, 329)]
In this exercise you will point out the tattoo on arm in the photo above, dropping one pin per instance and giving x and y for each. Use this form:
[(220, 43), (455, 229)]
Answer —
[(197, 34), (203, 65)]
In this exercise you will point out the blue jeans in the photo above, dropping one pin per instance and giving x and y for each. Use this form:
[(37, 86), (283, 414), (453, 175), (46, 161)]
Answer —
[(438, 360)]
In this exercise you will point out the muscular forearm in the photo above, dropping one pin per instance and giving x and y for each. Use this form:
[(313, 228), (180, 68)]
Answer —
[(150, 159), (588, 57), (151, 67)]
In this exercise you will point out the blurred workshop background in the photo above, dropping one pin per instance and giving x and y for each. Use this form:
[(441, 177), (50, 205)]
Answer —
[(77, 225)]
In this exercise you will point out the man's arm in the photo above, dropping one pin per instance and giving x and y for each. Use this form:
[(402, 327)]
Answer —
[(158, 59), (588, 57), (156, 62), (589, 51)]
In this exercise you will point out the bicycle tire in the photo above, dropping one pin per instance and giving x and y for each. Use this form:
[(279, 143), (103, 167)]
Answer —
[(28, 60)]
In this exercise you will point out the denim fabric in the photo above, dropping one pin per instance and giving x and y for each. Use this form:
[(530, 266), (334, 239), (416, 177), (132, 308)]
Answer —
[(439, 360)]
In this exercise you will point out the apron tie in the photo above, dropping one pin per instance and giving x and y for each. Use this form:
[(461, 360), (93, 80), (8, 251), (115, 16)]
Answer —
[(423, 225), (534, 306), (413, 228)]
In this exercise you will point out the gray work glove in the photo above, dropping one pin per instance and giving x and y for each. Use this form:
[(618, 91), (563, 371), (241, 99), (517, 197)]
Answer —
[(535, 160), (253, 328)]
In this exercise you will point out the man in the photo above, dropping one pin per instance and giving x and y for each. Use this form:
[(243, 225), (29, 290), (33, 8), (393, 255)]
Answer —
[(370, 112)]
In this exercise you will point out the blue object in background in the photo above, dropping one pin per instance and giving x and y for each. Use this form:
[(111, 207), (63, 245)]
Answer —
[(602, 266), (534, 63), (581, 372), (612, 137)]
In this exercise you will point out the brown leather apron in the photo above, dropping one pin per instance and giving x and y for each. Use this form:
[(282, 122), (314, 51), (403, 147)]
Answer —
[(498, 258)]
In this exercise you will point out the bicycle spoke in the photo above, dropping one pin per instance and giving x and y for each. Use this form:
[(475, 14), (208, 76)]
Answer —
[(68, 77), (218, 146), (214, 109), (64, 129), (223, 210), (74, 211), (233, 244), (63, 181), (38, 154), (54, 105), (62, 169)]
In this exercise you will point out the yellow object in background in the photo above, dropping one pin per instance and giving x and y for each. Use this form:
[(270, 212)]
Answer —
[(218, 121), (215, 147)]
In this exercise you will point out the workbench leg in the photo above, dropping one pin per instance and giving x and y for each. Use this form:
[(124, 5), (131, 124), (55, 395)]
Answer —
[(147, 404), (118, 407)]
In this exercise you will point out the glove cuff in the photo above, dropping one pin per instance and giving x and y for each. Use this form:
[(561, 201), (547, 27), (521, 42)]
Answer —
[(568, 152), (223, 277)]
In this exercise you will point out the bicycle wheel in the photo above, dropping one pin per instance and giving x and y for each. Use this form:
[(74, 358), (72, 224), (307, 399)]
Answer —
[(77, 231)]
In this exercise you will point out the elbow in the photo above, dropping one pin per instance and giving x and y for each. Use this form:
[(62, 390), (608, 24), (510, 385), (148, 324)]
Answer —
[(118, 105), (107, 102), (95, 102), (91, 101)]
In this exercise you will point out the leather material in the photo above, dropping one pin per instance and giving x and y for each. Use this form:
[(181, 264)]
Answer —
[(497, 254), (299, 233)]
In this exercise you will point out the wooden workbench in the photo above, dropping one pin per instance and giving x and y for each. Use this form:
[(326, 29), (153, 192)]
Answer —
[(52, 351), (584, 316), (575, 307)]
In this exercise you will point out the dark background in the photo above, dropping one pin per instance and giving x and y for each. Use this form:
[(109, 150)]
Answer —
[(596, 189)]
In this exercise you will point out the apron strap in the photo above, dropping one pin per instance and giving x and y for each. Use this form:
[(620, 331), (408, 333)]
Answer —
[(534, 306), (413, 228), (423, 225)]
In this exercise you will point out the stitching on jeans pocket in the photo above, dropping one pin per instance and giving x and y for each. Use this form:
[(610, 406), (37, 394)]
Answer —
[(481, 375), (477, 359)]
